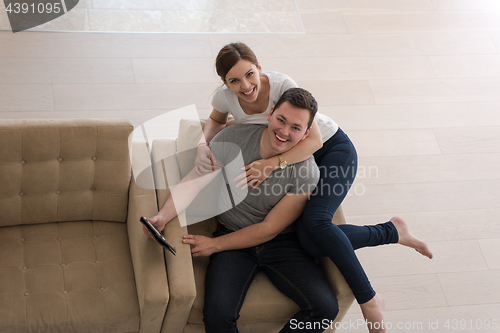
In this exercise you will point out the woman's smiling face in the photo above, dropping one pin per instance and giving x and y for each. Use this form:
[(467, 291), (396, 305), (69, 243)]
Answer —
[(244, 80)]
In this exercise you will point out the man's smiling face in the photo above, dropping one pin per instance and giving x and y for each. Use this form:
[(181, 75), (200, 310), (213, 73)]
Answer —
[(288, 125)]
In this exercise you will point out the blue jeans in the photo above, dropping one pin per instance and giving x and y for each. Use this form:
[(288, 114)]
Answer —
[(338, 161), (289, 268)]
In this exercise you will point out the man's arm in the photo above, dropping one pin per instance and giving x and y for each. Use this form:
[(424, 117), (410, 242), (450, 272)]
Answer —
[(180, 198), (287, 210)]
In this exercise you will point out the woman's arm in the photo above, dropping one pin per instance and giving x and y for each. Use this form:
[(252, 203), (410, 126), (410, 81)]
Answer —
[(256, 172), (205, 162), (215, 123)]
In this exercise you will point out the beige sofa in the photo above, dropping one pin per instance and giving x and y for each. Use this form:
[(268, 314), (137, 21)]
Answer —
[(73, 257), (265, 309)]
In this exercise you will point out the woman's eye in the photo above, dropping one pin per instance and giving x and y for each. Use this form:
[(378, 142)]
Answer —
[(250, 74), (280, 120), (296, 129)]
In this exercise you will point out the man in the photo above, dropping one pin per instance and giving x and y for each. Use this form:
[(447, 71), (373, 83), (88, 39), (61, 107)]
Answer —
[(255, 234)]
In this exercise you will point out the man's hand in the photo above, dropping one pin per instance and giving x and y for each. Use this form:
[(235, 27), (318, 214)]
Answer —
[(158, 222), (203, 246)]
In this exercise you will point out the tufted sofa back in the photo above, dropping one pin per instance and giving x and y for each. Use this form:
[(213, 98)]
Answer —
[(63, 170)]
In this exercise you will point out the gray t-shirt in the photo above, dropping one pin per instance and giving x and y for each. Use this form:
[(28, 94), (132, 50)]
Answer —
[(239, 145)]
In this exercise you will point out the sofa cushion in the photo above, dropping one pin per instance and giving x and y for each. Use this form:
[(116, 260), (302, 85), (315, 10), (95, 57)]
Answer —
[(63, 170), (190, 132), (67, 277)]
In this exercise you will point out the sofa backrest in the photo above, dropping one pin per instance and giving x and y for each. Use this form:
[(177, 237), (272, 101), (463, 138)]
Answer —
[(205, 205), (64, 170)]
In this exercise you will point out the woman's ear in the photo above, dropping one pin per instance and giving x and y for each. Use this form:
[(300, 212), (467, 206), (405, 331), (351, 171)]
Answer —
[(224, 82)]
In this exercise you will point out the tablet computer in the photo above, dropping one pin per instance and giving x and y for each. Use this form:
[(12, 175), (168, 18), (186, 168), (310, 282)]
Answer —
[(158, 236)]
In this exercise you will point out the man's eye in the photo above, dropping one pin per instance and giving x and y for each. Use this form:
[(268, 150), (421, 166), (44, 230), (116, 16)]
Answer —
[(280, 120), (296, 129)]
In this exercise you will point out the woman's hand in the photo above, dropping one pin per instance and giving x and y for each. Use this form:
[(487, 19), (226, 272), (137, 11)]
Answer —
[(205, 162), (256, 172), (203, 246)]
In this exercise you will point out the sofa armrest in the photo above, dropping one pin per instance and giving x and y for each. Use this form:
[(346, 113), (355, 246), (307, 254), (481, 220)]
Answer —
[(147, 255), (181, 279), (179, 267)]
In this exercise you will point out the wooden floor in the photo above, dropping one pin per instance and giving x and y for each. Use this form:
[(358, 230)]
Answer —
[(414, 83)]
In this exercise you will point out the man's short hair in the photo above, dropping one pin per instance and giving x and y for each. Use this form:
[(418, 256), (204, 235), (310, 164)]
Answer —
[(302, 99)]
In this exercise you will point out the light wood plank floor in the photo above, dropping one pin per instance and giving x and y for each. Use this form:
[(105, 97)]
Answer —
[(415, 84)]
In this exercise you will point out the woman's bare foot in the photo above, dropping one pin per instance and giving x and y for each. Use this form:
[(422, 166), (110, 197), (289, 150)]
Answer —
[(373, 311), (406, 238)]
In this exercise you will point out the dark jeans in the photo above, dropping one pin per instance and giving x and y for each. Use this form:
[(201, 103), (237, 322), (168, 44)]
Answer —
[(338, 161), (289, 268)]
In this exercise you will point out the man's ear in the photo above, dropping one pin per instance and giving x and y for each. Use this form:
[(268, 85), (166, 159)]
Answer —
[(306, 134), (270, 114)]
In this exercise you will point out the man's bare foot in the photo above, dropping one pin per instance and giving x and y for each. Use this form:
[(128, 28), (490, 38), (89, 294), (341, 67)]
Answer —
[(406, 238), (373, 311)]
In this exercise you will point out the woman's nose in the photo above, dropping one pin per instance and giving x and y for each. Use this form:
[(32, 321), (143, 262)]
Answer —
[(245, 84)]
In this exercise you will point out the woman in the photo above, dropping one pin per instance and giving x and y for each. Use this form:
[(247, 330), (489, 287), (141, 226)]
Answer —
[(249, 95)]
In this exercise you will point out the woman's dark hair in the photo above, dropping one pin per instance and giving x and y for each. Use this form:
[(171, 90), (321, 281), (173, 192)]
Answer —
[(302, 99), (230, 54)]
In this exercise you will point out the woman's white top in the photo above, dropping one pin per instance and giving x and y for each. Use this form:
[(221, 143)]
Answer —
[(225, 100)]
